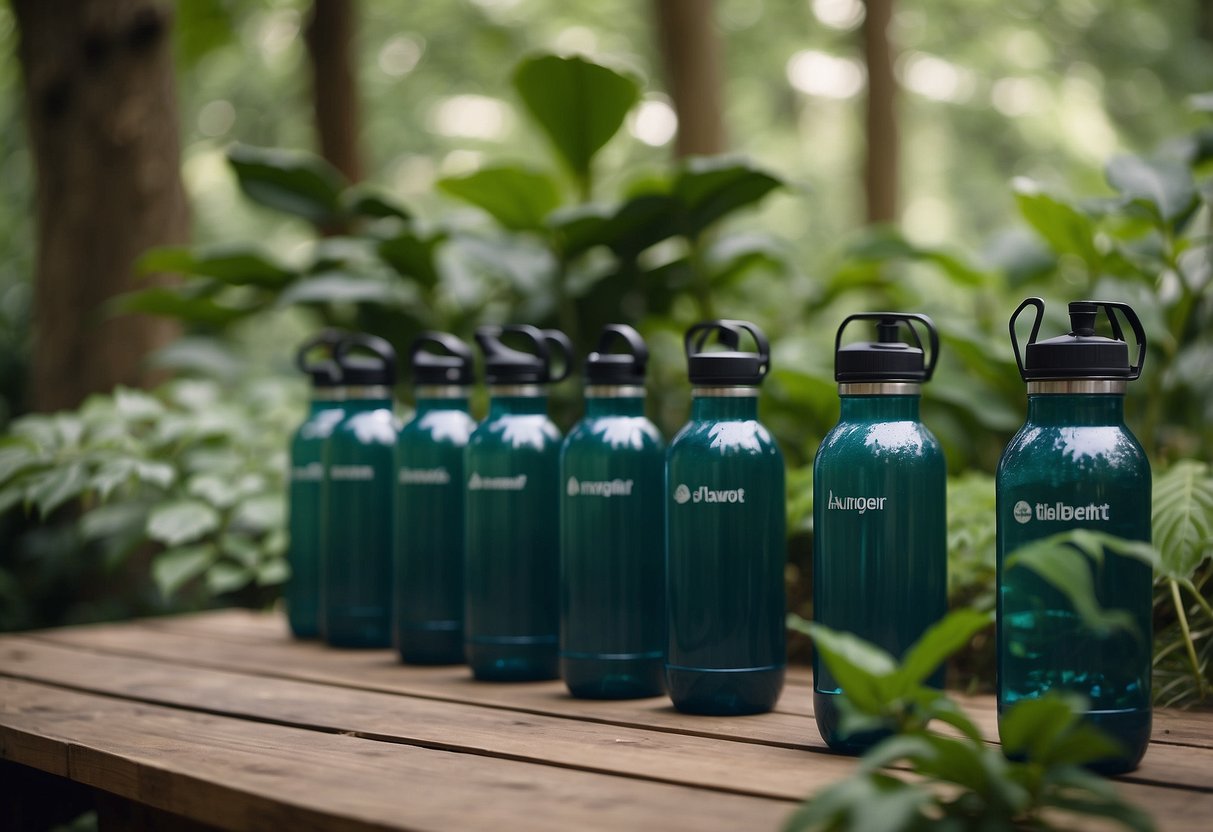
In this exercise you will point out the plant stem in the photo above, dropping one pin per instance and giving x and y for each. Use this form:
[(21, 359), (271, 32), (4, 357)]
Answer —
[(702, 280), (1200, 599), (1188, 645)]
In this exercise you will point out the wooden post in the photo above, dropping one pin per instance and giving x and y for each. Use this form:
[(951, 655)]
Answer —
[(690, 52), (882, 167)]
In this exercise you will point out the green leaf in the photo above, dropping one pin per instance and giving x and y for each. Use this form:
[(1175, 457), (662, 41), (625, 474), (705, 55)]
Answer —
[(1030, 726), (710, 188), (54, 487), (181, 521), (857, 665), (337, 287), (111, 475), (173, 303), (227, 577), (641, 222), (413, 256), (263, 513), (1164, 185), (293, 182), (519, 198), (362, 201), (578, 104), (1063, 227), (241, 548), (136, 405), (273, 572), (1183, 518), (938, 643), (236, 264), (16, 457), (112, 520), (174, 568), (159, 474)]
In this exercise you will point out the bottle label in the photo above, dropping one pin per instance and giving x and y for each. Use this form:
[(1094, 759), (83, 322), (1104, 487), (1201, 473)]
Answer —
[(1025, 512), (703, 494), (312, 472), (353, 473), (598, 488), (857, 504), (424, 476), (479, 483)]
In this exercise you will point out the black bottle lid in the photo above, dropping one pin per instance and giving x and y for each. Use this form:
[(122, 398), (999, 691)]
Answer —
[(619, 368), (730, 366), (324, 371), (1081, 353), (505, 365), (452, 367), (362, 370), (888, 358)]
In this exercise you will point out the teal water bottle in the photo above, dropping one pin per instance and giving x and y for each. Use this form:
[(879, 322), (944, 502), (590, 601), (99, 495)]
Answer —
[(725, 544), (512, 549), (429, 503), (612, 516), (356, 576), (879, 519), (1075, 465), (302, 593)]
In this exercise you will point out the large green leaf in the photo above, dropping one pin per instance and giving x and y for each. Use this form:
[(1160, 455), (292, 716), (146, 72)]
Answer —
[(642, 221), (181, 521), (579, 104), (413, 255), (363, 201), (519, 198), (859, 666), (337, 287), (1165, 185), (940, 641), (1183, 518), (54, 487), (225, 576), (172, 303), (17, 456), (237, 264), (1066, 229), (290, 181), (710, 188), (174, 568)]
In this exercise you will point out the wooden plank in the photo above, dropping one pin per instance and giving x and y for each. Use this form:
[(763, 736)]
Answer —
[(1168, 765), (748, 768), (245, 775)]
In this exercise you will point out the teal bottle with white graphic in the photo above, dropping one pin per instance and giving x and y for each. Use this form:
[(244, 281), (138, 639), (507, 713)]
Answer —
[(302, 593), (512, 554), (879, 517), (612, 511), (359, 458), (725, 541), (429, 492), (1076, 465)]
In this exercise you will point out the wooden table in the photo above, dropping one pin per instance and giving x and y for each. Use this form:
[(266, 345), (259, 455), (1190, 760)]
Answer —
[(223, 719)]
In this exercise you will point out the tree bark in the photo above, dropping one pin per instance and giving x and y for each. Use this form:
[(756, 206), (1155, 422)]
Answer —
[(101, 112), (330, 35), (691, 54), (882, 165)]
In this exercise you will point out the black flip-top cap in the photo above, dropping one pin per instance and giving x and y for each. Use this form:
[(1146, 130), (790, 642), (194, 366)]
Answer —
[(732, 365), (324, 370), (505, 365), (359, 370), (618, 368), (1081, 353), (888, 358), (454, 366)]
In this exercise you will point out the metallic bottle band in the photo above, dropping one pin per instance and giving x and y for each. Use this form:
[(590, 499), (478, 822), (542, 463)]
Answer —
[(517, 390), (328, 394), (880, 388), (614, 391), (739, 392), (368, 391), (441, 391), (1077, 386)]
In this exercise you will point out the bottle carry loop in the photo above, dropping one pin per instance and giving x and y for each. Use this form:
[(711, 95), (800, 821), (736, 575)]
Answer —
[(887, 330), (1083, 316), (506, 365), (731, 366)]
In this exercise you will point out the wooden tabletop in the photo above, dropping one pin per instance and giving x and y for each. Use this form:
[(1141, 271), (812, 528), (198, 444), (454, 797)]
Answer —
[(222, 718)]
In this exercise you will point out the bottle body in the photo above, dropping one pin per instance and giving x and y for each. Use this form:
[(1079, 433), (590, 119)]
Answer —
[(725, 550), (307, 474), (612, 591), (356, 578), (428, 533), (879, 539), (1075, 464), (512, 549)]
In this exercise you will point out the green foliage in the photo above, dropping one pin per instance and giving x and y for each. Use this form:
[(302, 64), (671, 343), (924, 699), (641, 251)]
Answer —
[(959, 782)]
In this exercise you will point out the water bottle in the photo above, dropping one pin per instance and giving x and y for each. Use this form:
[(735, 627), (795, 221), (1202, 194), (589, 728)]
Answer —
[(512, 550), (879, 521), (302, 593), (1075, 465), (356, 576), (725, 545), (612, 590), (428, 534)]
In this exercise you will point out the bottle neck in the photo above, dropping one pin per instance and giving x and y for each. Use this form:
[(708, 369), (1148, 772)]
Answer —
[(612, 400), (880, 408), (1076, 409), (367, 397), (427, 403), (517, 399), (721, 403), (318, 406)]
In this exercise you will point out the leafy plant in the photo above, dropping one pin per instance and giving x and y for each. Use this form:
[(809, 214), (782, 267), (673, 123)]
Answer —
[(960, 781)]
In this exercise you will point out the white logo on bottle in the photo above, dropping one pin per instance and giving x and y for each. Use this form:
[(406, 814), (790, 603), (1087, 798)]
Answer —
[(682, 494), (599, 488), (1022, 512), (703, 494), (424, 476), (859, 504), (479, 483)]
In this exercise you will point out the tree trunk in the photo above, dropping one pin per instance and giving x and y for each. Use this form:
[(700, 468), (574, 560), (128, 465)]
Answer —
[(881, 168), (101, 111), (330, 35), (690, 52)]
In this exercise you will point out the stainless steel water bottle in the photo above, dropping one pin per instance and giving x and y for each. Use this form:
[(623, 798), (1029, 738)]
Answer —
[(356, 576), (612, 512), (725, 544), (302, 593), (879, 519), (512, 549), (1075, 465), (428, 534)]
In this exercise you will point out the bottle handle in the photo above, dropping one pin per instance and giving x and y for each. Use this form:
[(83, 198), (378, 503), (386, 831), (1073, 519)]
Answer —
[(453, 345), (1040, 313), (637, 348), (325, 338), (1139, 332), (564, 347), (373, 344), (931, 358)]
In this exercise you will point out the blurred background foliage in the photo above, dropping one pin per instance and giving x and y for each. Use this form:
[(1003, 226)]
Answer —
[(1052, 148)]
